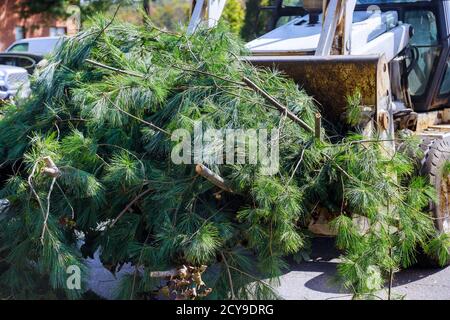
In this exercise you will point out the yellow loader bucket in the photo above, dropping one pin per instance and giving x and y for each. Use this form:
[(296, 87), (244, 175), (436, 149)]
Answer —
[(331, 79)]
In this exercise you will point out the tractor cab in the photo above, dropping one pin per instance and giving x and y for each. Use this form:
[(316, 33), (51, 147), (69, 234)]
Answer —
[(427, 74), (428, 70)]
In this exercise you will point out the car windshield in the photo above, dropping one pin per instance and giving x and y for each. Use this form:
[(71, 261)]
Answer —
[(299, 3), (20, 47), (387, 1), (296, 3)]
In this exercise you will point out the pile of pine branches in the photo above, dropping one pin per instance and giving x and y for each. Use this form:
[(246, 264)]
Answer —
[(89, 156)]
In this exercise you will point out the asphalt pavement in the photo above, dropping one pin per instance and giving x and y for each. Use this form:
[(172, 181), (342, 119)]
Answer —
[(312, 280), (316, 279)]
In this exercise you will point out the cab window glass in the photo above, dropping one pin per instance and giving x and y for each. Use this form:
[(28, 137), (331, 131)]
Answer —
[(385, 1), (445, 85), (293, 3), (424, 43)]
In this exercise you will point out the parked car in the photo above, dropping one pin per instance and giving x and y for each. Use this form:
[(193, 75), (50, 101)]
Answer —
[(38, 46), (15, 69), (11, 80)]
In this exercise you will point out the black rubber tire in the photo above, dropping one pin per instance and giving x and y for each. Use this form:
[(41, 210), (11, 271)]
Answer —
[(436, 153)]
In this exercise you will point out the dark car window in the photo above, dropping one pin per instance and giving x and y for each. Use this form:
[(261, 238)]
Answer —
[(18, 62), (22, 60)]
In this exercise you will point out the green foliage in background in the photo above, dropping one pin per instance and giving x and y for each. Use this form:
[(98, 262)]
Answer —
[(58, 8), (170, 14), (120, 190), (28, 8), (255, 22), (234, 14)]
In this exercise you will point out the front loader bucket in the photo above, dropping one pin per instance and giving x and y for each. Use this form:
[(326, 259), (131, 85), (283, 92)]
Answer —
[(331, 79)]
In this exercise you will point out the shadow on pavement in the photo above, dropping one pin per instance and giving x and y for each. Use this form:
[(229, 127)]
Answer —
[(413, 274), (324, 260)]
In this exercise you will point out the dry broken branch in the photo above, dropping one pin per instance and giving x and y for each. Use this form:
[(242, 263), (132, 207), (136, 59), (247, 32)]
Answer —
[(50, 168), (164, 274), (212, 177)]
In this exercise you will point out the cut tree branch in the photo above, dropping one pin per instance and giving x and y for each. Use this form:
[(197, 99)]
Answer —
[(109, 23), (137, 118), (318, 126), (50, 168), (47, 213), (230, 278), (186, 69), (212, 177), (104, 66), (139, 196), (164, 274), (281, 108)]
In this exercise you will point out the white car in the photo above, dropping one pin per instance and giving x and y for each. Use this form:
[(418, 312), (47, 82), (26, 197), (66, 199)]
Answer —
[(39, 46), (11, 80)]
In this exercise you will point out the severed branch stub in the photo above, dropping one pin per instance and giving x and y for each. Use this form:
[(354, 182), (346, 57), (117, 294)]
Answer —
[(164, 274), (50, 168), (212, 177), (318, 126)]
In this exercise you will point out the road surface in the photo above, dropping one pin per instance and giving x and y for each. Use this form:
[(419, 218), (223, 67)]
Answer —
[(316, 280)]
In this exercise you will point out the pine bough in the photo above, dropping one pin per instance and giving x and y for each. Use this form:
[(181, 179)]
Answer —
[(103, 109)]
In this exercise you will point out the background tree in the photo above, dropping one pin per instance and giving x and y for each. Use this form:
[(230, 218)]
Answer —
[(254, 21), (169, 14), (28, 8), (234, 15), (58, 8), (147, 6)]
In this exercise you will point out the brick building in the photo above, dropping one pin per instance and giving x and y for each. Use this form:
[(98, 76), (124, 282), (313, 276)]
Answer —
[(13, 27)]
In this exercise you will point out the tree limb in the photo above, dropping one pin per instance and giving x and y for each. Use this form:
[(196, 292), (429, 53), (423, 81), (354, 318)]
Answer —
[(104, 66), (164, 274), (212, 177), (139, 196), (230, 279), (47, 213), (282, 109), (137, 118), (50, 168)]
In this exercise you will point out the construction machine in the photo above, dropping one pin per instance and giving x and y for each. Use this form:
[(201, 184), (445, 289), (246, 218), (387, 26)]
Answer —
[(395, 53)]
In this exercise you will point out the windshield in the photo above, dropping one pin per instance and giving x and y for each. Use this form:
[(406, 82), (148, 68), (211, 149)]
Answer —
[(387, 1), (299, 3)]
